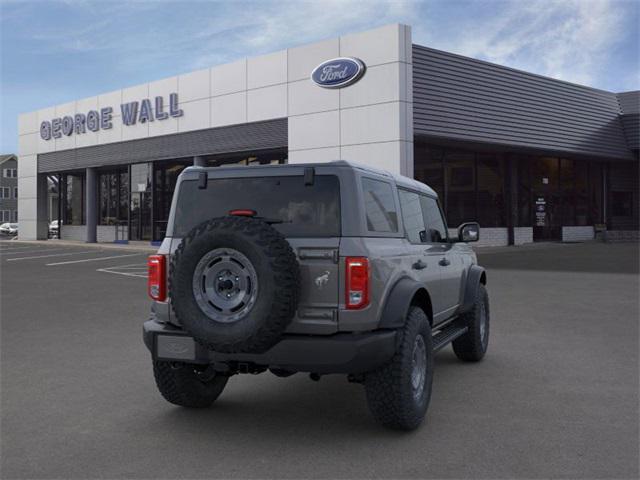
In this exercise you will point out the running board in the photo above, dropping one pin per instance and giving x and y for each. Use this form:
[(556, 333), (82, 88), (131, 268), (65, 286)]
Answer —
[(447, 335)]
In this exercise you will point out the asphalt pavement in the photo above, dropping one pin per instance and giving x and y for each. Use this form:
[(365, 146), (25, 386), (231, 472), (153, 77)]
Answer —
[(556, 396)]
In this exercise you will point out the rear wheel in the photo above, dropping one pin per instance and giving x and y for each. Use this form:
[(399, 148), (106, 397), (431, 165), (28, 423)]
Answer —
[(472, 346), (187, 385), (398, 394)]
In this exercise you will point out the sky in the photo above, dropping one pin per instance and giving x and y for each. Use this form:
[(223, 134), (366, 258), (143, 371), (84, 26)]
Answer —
[(55, 51)]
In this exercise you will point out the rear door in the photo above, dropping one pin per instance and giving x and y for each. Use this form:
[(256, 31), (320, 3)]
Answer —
[(425, 256), (450, 266)]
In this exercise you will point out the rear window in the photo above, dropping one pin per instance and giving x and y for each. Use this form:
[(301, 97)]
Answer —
[(380, 208), (304, 210)]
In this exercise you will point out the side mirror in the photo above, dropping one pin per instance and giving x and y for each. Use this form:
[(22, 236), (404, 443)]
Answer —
[(469, 232)]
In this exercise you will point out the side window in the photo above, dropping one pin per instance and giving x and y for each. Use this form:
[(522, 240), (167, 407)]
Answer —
[(412, 216), (380, 208), (436, 228)]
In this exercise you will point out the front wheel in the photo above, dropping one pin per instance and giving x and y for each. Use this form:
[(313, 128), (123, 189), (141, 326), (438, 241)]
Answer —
[(187, 385), (398, 394)]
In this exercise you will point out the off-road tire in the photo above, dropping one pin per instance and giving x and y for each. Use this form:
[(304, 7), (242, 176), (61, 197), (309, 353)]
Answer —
[(277, 271), (181, 385), (389, 391), (472, 346)]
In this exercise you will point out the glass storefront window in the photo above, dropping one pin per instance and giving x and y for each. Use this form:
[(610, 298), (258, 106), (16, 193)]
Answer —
[(460, 187), (123, 196), (622, 211), (550, 192), (428, 167), (596, 187), (73, 199), (523, 165), (491, 198), (567, 191), (112, 194), (581, 172), (140, 201)]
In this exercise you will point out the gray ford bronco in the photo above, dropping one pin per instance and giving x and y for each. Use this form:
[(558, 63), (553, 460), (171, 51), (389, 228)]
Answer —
[(320, 268)]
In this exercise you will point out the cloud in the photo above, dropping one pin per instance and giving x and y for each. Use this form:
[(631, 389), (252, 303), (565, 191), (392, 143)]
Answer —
[(274, 25), (569, 40)]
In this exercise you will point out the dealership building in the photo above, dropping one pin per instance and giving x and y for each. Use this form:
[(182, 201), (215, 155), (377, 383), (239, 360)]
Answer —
[(530, 158)]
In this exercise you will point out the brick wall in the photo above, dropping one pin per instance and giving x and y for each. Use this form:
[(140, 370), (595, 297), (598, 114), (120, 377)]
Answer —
[(577, 234), (489, 237), (74, 232), (613, 236), (522, 235)]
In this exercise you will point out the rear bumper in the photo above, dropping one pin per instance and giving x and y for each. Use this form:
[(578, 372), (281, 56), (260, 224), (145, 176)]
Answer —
[(339, 353)]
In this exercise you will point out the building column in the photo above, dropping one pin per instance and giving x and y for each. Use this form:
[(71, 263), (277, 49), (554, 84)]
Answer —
[(91, 197), (199, 162), (42, 215)]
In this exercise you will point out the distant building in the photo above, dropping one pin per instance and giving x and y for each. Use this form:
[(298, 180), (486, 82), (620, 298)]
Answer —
[(8, 188)]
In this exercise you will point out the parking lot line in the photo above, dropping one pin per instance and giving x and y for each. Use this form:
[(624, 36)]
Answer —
[(51, 255), (22, 252), (134, 270), (92, 259), (20, 249)]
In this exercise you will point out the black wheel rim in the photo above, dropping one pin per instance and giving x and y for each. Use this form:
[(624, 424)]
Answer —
[(225, 285)]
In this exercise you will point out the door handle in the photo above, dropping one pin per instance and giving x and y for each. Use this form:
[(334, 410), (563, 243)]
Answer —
[(444, 262), (419, 265)]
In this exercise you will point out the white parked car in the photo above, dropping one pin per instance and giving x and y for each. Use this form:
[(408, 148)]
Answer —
[(9, 229), (54, 229)]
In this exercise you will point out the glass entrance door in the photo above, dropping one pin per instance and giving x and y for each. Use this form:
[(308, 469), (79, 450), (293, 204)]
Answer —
[(546, 200), (140, 220)]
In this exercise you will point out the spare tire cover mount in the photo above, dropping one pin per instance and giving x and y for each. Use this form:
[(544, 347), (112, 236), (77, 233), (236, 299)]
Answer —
[(225, 285)]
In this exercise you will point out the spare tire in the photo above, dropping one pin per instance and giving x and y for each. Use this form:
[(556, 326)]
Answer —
[(234, 284)]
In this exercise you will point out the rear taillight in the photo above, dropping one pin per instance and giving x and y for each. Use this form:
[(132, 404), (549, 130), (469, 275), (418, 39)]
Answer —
[(157, 279), (357, 282)]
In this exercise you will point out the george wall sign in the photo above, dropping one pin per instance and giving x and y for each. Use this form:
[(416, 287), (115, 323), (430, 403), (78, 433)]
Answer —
[(338, 72), (94, 120)]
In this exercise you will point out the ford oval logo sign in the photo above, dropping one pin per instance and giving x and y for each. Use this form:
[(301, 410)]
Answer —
[(338, 73)]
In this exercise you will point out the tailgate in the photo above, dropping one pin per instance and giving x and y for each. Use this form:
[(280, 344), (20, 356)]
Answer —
[(319, 285)]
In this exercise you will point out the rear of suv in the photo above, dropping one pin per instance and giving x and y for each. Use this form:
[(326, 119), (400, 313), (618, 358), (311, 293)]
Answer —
[(322, 268)]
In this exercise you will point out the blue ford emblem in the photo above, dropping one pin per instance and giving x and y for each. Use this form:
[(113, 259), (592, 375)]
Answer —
[(338, 73)]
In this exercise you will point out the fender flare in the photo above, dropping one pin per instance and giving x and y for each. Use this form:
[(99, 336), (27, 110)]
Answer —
[(475, 276), (396, 307)]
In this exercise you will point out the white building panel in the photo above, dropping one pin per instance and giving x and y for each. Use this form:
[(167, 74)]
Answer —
[(314, 130), (267, 103), (194, 85), (267, 70), (229, 109), (229, 78), (306, 97), (28, 123), (28, 144)]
